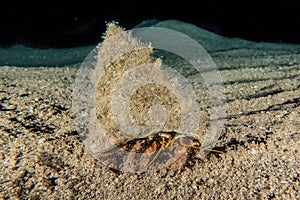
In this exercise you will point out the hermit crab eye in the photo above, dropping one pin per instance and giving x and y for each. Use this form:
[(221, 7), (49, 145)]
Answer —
[(125, 94), (162, 134)]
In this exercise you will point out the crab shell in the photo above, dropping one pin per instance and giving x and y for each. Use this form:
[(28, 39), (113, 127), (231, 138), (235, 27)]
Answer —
[(104, 130)]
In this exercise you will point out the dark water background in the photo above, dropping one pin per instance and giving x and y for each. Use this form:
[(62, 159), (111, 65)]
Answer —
[(53, 34)]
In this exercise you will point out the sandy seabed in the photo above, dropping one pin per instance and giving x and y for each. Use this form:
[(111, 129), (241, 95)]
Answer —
[(42, 156)]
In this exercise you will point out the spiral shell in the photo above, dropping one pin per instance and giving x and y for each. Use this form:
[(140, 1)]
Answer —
[(122, 93)]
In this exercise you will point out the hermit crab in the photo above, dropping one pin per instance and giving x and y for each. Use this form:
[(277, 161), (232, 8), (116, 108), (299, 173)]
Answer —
[(135, 114), (157, 151)]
